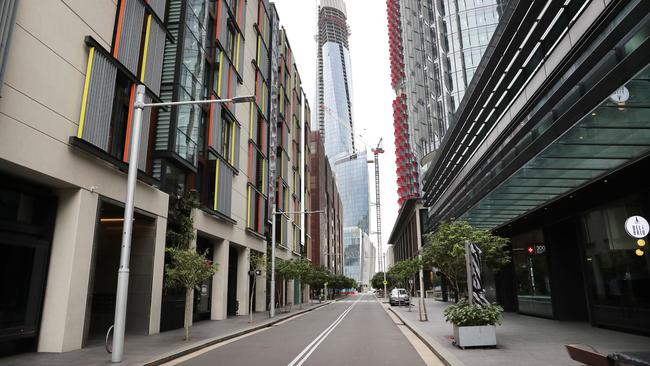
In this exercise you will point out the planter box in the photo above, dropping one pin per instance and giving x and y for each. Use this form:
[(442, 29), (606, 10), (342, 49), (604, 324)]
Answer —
[(477, 336)]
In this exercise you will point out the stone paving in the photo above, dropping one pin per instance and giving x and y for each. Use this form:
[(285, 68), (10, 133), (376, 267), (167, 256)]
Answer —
[(145, 350), (521, 340)]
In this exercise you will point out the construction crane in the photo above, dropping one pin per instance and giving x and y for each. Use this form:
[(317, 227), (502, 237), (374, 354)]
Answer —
[(376, 151)]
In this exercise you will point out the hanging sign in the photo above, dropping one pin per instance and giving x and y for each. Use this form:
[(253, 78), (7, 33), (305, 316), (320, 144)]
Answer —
[(637, 227)]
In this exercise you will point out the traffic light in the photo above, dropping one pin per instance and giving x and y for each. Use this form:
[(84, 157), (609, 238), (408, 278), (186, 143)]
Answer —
[(530, 250)]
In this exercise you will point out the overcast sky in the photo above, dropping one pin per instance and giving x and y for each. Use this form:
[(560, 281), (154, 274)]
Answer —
[(373, 95)]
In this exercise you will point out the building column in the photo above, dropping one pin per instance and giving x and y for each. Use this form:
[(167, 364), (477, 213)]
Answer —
[(243, 284), (260, 292), (219, 309), (289, 296), (306, 291), (158, 272), (66, 294)]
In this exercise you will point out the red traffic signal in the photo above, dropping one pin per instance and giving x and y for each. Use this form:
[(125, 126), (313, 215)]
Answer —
[(531, 250)]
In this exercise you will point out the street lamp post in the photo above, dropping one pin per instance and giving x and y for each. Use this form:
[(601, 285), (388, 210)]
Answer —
[(273, 213), (125, 253)]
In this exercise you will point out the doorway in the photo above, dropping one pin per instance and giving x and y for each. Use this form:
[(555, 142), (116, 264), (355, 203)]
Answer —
[(27, 217), (203, 295), (106, 258), (233, 304)]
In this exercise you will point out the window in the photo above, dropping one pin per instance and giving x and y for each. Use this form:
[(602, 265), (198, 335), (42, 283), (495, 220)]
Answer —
[(230, 43), (7, 20), (118, 126), (226, 134)]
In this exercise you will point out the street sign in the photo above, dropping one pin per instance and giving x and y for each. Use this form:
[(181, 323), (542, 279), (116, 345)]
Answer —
[(637, 227)]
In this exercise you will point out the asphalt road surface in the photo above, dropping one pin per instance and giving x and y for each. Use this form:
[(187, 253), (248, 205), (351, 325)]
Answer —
[(355, 331)]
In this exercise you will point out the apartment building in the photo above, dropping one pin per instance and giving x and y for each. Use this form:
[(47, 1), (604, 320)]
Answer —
[(65, 124), (326, 227)]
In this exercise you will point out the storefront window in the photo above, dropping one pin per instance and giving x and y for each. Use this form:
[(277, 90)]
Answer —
[(531, 270), (620, 276)]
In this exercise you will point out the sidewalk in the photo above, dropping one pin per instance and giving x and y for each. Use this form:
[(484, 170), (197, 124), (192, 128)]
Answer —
[(162, 347), (521, 340)]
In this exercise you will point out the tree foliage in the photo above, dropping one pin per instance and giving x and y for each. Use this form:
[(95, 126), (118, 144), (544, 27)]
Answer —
[(188, 269), (180, 224), (317, 277), (405, 270), (445, 250), (377, 280)]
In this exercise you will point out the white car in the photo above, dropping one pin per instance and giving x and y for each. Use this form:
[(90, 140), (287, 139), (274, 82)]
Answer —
[(399, 296)]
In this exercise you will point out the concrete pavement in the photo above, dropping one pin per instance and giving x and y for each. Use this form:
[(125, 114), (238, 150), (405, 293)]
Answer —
[(536, 340), (353, 332)]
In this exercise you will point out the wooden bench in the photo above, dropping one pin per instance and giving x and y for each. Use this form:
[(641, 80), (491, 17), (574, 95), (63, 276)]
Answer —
[(587, 355)]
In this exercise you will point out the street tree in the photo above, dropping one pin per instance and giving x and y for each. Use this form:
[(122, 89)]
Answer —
[(317, 277), (445, 250), (187, 270), (404, 273), (377, 280), (257, 264)]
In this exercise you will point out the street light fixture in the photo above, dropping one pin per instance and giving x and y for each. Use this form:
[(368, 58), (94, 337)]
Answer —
[(273, 213), (123, 273)]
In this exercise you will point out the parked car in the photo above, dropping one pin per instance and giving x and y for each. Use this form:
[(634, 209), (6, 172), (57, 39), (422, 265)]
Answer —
[(399, 296)]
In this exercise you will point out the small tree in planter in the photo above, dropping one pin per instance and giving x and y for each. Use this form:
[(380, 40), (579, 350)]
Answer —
[(296, 269), (257, 263), (445, 250), (474, 325), (188, 270), (404, 271)]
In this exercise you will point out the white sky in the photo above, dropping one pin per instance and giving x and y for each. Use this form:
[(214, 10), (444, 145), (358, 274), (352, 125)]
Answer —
[(373, 95)]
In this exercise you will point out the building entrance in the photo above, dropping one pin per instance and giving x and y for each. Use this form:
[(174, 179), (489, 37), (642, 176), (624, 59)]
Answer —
[(233, 304), (106, 258), (26, 221)]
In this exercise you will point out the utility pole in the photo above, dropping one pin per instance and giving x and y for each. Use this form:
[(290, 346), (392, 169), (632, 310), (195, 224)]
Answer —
[(379, 150)]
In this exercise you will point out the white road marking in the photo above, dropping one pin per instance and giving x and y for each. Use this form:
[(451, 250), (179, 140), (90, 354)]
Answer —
[(211, 348), (311, 347)]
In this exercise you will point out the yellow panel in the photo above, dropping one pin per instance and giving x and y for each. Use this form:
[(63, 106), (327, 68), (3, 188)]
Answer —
[(237, 54), (84, 99), (146, 47), (216, 184), (220, 73)]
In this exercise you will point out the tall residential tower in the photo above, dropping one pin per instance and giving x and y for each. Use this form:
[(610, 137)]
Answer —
[(435, 47)]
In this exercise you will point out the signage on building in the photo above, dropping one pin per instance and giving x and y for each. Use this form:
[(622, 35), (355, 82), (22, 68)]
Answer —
[(536, 249), (637, 227)]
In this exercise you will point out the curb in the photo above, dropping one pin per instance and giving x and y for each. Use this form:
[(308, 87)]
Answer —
[(212, 341), (444, 355)]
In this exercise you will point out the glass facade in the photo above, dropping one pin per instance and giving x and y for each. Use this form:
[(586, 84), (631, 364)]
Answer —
[(468, 28), (352, 181), (352, 239), (337, 107)]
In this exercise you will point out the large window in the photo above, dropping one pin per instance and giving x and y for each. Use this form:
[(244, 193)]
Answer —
[(619, 275)]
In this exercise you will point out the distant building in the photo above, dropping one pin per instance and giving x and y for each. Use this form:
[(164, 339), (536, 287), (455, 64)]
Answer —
[(335, 124), (326, 227)]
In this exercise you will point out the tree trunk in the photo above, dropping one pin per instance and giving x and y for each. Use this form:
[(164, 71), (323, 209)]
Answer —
[(250, 303), (188, 312), (300, 297)]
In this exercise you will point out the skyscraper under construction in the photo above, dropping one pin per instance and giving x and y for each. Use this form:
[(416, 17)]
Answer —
[(335, 123)]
